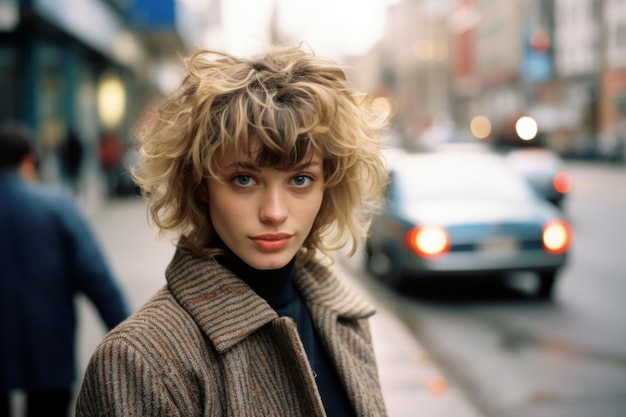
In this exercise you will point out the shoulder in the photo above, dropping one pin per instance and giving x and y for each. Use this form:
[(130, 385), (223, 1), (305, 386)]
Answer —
[(158, 355), (50, 197), (162, 332), (56, 196), (33, 199), (157, 322)]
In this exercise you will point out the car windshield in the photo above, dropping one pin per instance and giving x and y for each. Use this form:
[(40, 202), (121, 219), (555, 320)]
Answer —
[(454, 178)]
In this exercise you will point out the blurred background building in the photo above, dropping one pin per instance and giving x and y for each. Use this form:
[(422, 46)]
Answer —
[(95, 67), (559, 61), (84, 66)]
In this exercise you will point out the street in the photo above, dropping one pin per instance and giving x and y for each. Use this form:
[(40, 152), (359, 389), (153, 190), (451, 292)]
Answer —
[(516, 356)]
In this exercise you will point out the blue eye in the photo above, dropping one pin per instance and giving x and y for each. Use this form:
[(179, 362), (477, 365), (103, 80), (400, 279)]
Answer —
[(302, 180), (243, 181)]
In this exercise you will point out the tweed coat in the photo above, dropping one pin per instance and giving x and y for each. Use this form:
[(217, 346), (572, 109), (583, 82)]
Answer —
[(207, 345)]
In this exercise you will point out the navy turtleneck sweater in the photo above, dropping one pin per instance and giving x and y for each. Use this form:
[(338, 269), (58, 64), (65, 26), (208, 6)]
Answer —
[(276, 287)]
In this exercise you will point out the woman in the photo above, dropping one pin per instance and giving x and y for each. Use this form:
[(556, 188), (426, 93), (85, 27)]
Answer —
[(263, 167)]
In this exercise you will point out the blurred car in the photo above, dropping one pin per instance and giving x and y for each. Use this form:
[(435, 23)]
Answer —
[(544, 170), (450, 215)]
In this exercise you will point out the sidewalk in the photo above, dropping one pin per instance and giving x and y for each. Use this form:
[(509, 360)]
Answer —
[(412, 384)]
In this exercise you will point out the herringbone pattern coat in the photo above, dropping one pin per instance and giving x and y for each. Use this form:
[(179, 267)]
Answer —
[(207, 345)]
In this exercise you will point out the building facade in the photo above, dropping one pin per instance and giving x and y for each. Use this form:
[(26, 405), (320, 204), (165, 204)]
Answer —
[(81, 66)]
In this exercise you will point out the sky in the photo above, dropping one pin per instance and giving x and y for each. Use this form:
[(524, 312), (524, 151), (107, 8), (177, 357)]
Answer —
[(333, 28)]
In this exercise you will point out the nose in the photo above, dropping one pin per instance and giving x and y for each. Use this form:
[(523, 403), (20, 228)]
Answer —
[(273, 209)]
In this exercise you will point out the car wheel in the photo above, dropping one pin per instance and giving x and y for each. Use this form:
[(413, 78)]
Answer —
[(547, 279), (382, 266)]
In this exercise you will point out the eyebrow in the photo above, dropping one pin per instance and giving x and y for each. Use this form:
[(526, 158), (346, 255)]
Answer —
[(254, 167)]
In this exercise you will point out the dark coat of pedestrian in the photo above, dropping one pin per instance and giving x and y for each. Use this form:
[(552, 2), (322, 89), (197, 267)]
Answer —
[(71, 158), (47, 255)]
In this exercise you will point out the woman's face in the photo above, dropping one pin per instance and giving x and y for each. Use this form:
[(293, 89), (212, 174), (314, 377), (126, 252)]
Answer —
[(262, 214)]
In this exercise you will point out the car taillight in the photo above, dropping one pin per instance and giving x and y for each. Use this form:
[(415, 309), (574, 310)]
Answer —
[(562, 182), (557, 236), (428, 241)]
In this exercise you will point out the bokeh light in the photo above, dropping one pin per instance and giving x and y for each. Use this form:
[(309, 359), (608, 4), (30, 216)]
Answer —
[(526, 128), (480, 126), (111, 100), (562, 182)]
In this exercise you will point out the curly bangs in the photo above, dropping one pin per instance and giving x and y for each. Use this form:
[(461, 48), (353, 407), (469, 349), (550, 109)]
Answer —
[(282, 107)]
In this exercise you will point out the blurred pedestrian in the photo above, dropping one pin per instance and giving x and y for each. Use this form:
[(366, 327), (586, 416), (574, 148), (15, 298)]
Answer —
[(263, 167), (47, 255), (111, 152), (71, 157)]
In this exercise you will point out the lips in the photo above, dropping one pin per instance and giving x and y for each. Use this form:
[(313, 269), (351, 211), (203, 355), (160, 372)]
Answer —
[(271, 242)]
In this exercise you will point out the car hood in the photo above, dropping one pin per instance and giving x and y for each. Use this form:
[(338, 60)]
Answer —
[(450, 212)]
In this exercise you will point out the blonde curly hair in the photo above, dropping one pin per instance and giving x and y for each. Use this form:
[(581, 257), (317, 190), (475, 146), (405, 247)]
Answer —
[(290, 101)]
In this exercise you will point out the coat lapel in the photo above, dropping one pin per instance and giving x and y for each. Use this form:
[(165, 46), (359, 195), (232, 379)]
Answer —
[(339, 315), (203, 287)]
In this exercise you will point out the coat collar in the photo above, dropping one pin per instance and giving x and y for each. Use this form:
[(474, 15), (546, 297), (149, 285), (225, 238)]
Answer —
[(228, 310)]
